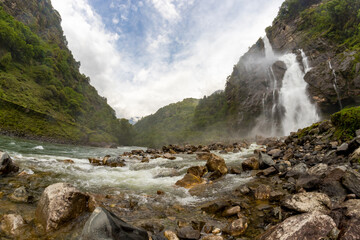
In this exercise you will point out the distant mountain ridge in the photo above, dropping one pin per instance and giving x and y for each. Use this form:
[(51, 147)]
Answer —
[(42, 92)]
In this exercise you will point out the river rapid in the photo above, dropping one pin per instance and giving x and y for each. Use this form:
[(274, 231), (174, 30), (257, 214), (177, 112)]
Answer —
[(136, 182)]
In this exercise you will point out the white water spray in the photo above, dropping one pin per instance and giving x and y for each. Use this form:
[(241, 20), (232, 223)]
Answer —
[(299, 111), (335, 84)]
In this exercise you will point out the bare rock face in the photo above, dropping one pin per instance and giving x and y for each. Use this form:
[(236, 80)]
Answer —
[(307, 226), (308, 202), (7, 165), (351, 181), (11, 224), (60, 203)]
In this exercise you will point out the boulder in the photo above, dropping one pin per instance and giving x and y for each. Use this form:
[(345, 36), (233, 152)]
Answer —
[(352, 208), (318, 170), (237, 227), (351, 180), (12, 224), (297, 170), (231, 211), (60, 203), (212, 237), (355, 156), (275, 153), (198, 171), (169, 156), (7, 165), (265, 161), (103, 224), (188, 233), (307, 226), (350, 230), (250, 164), (343, 149), (216, 164), (170, 235), (308, 202), (189, 181), (113, 161)]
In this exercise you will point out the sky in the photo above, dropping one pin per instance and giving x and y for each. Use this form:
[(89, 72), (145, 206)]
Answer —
[(144, 54)]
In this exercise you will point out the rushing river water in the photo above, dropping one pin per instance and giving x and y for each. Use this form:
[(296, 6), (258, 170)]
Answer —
[(135, 179)]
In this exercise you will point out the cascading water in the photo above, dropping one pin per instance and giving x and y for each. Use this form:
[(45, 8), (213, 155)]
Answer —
[(335, 84), (299, 111)]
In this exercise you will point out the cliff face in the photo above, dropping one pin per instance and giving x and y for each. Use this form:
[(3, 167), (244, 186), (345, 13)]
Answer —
[(43, 93), (332, 53)]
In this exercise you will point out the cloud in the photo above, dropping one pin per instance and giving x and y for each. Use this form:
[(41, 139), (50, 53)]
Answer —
[(167, 50)]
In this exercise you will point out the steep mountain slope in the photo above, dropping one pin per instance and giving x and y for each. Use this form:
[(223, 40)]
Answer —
[(42, 93)]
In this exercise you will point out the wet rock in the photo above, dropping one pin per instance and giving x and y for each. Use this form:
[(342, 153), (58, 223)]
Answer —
[(12, 224), (314, 225), (67, 161), (169, 156), (188, 233), (145, 160), (297, 170), (7, 166), (60, 203), (198, 171), (215, 207), (216, 164), (265, 161), (103, 224), (153, 227), (351, 181), (276, 196), (95, 161), (267, 172), (308, 202), (235, 170), (223, 152), (204, 156), (170, 235), (237, 227), (262, 192), (231, 211), (189, 181), (250, 164), (113, 161), (21, 195)]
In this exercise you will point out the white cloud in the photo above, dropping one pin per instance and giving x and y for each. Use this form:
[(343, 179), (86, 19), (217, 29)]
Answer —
[(215, 36)]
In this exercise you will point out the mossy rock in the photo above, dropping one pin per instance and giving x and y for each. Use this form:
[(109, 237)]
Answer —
[(347, 121)]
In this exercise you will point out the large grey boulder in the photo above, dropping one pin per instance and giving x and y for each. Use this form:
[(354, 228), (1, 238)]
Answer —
[(351, 180), (103, 224), (6, 164), (307, 226), (59, 204), (308, 202)]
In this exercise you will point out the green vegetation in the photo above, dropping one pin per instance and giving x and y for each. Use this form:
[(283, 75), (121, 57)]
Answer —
[(347, 121), (170, 124), (42, 92), (336, 20)]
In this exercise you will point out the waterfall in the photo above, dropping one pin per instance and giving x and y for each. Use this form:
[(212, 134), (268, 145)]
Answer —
[(335, 85), (305, 62), (269, 52), (299, 111)]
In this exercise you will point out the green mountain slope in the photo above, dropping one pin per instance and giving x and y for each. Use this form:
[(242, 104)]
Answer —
[(42, 91)]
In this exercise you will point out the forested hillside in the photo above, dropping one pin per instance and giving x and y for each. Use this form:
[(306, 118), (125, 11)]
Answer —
[(42, 93)]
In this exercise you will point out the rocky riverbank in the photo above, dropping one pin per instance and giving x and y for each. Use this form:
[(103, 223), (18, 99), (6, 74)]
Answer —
[(304, 186)]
